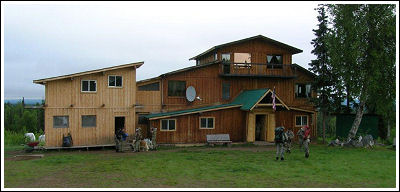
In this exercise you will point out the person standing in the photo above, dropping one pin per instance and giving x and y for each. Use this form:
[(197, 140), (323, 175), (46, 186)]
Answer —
[(279, 142), (154, 137), (300, 135), (306, 141), (138, 138)]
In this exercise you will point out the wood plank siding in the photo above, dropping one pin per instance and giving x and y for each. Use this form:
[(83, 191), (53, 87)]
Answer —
[(64, 98), (230, 121)]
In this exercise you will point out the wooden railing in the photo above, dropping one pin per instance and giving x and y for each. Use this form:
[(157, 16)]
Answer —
[(257, 69)]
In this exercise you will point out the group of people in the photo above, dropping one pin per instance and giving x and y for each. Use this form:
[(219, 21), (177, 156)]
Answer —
[(122, 135), (283, 140)]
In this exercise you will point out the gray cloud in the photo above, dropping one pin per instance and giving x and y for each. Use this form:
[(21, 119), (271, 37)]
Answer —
[(43, 41)]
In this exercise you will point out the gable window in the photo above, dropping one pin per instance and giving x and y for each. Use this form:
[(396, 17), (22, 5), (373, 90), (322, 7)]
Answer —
[(114, 81), (301, 120), (242, 60), (302, 90), (207, 122), (176, 88), (168, 125), (226, 90), (60, 121), (88, 120), (150, 87), (274, 61), (88, 86)]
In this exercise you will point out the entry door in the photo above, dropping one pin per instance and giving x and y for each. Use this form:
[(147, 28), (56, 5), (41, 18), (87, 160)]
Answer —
[(119, 123), (261, 127)]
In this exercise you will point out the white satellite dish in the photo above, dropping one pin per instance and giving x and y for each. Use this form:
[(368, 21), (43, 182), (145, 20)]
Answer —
[(190, 93)]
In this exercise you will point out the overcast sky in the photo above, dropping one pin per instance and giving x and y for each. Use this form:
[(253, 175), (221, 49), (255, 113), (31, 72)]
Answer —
[(59, 38)]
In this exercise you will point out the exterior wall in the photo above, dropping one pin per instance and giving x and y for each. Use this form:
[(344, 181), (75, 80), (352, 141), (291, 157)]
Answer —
[(208, 85), (287, 119), (61, 94), (150, 101), (228, 121), (257, 48)]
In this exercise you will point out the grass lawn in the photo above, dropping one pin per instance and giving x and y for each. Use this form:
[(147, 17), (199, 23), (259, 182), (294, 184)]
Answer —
[(236, 167)]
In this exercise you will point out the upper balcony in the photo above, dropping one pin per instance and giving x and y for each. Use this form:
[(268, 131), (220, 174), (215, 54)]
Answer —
[(230, 69)]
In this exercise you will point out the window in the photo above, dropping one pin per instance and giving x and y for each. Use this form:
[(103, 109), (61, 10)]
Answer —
[(150, 87), (176, 88), (226, 57), (114, 81), (301, 120), (168, 125), (242, 60), (302, 90), (88, 86), (60, 121), (215, 56), (274, 61), (226, 90), (88, 120), (197, 62), (206, 122)]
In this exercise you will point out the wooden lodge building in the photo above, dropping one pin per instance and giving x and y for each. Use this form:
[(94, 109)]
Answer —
[(228, 91), (90, 105)]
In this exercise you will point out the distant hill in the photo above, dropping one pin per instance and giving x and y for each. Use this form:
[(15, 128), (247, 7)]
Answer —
[(27, 101)]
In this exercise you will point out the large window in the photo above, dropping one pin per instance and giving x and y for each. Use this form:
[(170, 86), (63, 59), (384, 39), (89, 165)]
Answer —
[(88, 86), (242, 60), (114, 81), (150, 87), (302, 90), (207, 122), (301, 120), (274, 61), (88, 120), (60, 121), (168, 125), (176, 88), (226, 90)]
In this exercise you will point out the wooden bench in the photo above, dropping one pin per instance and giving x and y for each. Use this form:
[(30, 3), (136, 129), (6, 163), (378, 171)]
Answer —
[(219, 138)]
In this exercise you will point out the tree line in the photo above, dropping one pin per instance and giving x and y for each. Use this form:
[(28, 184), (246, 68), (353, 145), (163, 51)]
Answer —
[(17, 119), (355, 45)]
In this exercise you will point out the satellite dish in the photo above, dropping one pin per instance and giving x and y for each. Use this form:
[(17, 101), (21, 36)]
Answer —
[(190, 93)]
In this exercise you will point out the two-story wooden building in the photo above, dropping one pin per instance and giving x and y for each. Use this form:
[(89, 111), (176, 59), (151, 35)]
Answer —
[(90, 105), (229, 91)]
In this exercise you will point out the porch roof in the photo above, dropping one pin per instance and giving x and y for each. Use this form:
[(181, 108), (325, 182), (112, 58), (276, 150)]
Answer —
[(190, 111), (246, 100), (249, 98)]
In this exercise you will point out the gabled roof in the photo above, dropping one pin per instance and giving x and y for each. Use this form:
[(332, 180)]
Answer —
[(246, 100), (249, 98), (42, 81), (293, 50)]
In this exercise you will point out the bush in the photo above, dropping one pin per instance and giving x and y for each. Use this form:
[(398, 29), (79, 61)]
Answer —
[(13, 138)]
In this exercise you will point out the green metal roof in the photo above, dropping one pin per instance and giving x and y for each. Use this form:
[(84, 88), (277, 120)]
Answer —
[(189, 111), (249, 98), (245, 100)]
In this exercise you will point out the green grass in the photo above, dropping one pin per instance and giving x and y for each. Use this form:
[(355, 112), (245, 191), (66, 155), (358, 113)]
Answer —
[(238, 167)]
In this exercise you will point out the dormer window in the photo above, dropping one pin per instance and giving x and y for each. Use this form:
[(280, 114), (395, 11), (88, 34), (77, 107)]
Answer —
[(274, 61)]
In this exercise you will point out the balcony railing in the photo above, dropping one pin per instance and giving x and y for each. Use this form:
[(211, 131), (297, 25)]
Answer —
[(257, 69)]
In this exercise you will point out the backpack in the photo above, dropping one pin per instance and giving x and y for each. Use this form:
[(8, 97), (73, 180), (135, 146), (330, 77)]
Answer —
[(279, 135)]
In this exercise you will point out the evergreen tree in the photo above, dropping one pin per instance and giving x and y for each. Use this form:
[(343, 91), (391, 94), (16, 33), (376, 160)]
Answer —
[(324, 80)]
